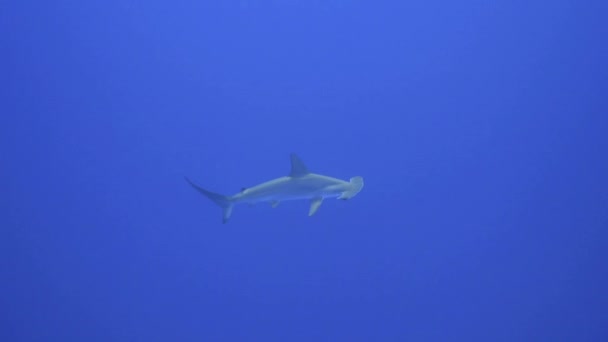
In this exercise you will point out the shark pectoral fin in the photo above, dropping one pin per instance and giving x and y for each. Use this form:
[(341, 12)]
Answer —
[(315, 203), (274, 204)]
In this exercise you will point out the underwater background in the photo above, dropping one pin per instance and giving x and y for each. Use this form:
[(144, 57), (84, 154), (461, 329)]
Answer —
[(480, 128)]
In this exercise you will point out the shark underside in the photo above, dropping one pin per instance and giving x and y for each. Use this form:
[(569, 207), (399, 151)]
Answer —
[(299, 184)]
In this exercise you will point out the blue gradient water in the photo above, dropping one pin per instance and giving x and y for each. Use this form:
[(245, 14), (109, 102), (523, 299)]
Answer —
[(480, 129)]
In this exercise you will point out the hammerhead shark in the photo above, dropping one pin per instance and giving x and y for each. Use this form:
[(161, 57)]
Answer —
[(299, 184)]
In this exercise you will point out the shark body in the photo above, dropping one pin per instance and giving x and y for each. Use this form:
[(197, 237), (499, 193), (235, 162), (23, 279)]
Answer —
[(298, 185)]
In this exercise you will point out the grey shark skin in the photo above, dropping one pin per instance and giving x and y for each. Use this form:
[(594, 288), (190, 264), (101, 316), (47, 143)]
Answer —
[(299, 184)]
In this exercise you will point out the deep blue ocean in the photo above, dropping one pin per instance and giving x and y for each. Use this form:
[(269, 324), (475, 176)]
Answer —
[(480, 128)]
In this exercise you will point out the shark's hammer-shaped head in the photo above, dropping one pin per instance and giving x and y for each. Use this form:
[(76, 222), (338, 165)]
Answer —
[(356, 184)]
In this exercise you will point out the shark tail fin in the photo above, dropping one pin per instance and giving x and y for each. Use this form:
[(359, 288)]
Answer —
[(223, 201), (356, 184)]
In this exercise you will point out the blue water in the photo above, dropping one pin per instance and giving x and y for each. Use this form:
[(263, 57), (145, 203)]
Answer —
[(480, 128)]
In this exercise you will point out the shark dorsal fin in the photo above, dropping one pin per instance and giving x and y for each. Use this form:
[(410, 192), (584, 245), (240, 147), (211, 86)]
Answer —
[(298, 169)]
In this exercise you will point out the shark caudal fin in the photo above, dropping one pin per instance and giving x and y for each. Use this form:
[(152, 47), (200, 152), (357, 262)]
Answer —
[(356, 184), (223, 201)]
